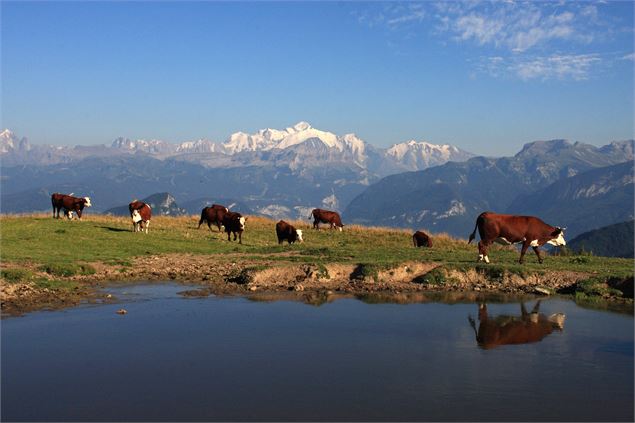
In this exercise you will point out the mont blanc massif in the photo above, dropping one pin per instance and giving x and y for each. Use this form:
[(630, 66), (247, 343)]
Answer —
[(285, 173)]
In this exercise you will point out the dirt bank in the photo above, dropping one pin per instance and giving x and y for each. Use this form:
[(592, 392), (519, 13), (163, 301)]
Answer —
[(238, 274)]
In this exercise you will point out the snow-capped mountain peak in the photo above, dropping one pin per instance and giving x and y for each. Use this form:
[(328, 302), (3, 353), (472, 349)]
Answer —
[(10, 142), (422, 154)]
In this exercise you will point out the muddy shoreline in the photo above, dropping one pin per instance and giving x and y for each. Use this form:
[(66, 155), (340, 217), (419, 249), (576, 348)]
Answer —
[(312, 283)]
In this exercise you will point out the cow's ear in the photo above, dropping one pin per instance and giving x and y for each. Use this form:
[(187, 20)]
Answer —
[(246, 218)]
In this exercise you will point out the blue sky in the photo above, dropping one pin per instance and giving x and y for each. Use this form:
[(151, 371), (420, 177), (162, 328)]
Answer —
[(485, 76)]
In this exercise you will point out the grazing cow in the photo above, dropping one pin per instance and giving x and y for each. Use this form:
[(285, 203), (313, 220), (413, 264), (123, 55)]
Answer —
[(70, 204), (213, 214), (421, 239), (507, 229), (507, 330), (140, 213), (234, 223), (326, 216), (287, 232)]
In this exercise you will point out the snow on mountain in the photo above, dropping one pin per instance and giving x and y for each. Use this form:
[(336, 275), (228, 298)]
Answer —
[(421, 155), (150, 147), (199, 146), (297, 147), (9, 142)]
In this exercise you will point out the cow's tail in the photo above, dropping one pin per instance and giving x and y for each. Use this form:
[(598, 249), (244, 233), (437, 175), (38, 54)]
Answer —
[(311, 215), (473, 234), (203, 218)]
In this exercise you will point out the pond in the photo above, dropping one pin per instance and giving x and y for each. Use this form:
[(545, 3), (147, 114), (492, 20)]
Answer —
[(172, 358)]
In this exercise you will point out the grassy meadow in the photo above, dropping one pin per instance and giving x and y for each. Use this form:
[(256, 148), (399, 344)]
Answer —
[(63, 248)]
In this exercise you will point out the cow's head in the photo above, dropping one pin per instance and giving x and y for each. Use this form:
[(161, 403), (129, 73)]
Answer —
[(242, 221), (557, 237), (87, 202), (136, 217), (340, 227), (298, 233), (69, 214)]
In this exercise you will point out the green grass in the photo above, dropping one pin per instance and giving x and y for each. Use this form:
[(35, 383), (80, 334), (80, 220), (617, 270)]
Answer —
[(63, 248), (16, 275)]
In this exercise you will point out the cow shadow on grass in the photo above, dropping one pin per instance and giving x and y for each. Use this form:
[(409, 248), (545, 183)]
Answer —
[(110, 228)]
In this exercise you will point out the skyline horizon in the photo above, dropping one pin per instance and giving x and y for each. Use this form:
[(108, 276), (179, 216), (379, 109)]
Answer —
[(227, 139)]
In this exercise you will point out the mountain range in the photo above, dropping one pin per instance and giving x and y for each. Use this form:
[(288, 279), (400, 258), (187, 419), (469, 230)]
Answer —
[(279, 173), (285, 173), (588, 189)]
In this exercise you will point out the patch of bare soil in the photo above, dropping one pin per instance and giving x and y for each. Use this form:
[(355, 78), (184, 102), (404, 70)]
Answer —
[(20, 298), (237, 274)]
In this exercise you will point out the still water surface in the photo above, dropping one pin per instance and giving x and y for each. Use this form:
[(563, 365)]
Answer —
[(177, 359)]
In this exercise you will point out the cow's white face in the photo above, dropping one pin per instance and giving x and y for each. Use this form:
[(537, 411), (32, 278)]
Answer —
[(242, 223), (340, 228), (136, 217), (558, 241), (87, 202), (298, 232), (69, 214)]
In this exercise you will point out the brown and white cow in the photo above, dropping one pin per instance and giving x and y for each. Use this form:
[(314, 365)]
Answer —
[(234, 223), (141, 213), (213, 214), (326, 216), (508, 330), (70, 204), (287, 232), (508, 229), (421, 239)]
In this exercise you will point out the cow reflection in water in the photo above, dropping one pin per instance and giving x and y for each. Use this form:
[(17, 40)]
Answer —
[(523, 329)]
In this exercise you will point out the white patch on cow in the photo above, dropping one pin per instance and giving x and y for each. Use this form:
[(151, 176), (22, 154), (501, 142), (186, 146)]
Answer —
[(558, 241), (502, 240), (534, 243), (146, 225), (136, 217), (480, 257), (87, 201), (298, 232), (242, 223), (486, 259)]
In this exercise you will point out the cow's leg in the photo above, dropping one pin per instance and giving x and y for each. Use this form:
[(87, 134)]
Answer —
[(316, 224), (523, 250), (482, 251), (147, 226), (229, 236), (523, 310), (240, 237), (537, 251)]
